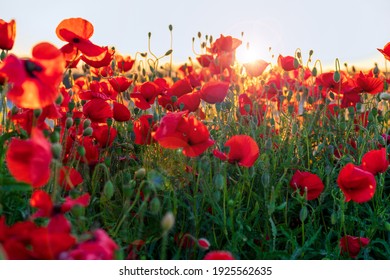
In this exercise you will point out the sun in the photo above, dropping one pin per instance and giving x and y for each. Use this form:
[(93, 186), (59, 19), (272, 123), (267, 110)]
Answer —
[(247, 54)]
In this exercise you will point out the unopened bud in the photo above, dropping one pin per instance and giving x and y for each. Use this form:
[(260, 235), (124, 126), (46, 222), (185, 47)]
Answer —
[(387, 226), (336, 76), (37, 112), (88, 131), (59, 99), (109, 121), (68, 123), (86, 123), (81, 151), (108, 190), (203, 243), (56, 150), (155, 205), (140, 173), (168, 221)]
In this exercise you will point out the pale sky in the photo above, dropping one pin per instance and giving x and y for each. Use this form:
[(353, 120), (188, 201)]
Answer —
[(349, 30)]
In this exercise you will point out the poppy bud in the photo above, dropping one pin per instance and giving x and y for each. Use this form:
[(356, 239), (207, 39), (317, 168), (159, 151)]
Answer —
[(14, 110), (219, 181), (387, 226), (71, 105), (88, 131), (68, 123), (77, 121), (140, 173), (56, 150), (314, 72), (336, 76), (108, 190), (81, 151), (155, 205), (55, 137), (37, 112), (109, 121), (173, 98), (168, 221), (86, 123), (333, 218), (203, 243), (303, 214)]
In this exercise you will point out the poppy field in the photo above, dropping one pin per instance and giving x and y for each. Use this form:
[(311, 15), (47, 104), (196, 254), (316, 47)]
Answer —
[(116, 156)]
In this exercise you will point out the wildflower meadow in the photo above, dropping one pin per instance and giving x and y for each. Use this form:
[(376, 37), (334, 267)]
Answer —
[(108, 155)]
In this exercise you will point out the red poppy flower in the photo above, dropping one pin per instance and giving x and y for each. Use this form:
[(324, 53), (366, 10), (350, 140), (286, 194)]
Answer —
[(120, 83), (144, 95), (245, 105), (7, 34), (34, 81), (305, 180), (120, 112), (102, 60), (15, 238), (142, 129), (92, 153), (327, 83), (368, 83), (97, 110), (104, 71), (386, 51), (188, 102), (180, 88), (357, 184), (77, 31), (103, 134), (176, 130), (24, 118), (99, 247), (124, 63), (214, 91), (375, 161), (205, 59), (219, 255), (46, 208), (288, 63), (352, 245), (225, 44), (243, 150), (29, 160), (256, 68), (69, 178), (47, 245)]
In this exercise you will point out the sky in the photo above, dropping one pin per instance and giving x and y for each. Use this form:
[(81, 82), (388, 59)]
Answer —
[(348, 30)]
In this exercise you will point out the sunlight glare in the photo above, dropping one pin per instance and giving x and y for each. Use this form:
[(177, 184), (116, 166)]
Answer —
[(246, 55)]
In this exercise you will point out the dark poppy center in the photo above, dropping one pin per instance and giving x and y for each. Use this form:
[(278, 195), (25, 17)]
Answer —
[(56, 209), (76, 40), (32, 67)]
